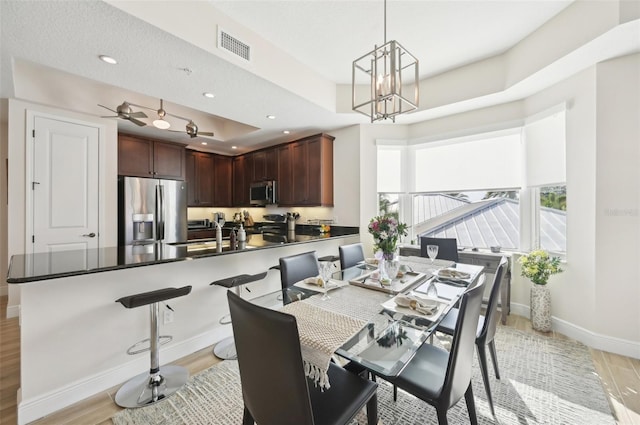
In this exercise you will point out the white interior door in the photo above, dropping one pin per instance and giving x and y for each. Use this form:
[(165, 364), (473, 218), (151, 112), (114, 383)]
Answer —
[(65, 186)]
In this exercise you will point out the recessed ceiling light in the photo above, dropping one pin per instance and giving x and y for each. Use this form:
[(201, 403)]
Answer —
[(286, 132), (271, 117), (209, 95), (203, 143), (108, 59), (234, 147)]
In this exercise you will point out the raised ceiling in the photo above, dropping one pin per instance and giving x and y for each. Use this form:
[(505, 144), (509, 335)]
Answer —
[(303, 51)]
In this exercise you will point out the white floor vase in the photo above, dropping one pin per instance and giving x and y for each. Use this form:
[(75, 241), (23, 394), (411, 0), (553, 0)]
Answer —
[(540, 308)]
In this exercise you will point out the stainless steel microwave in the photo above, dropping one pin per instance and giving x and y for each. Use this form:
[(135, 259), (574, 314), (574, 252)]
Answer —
[(262, 193)]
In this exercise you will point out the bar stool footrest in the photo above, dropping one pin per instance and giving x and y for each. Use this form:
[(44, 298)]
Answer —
[(162, 340)]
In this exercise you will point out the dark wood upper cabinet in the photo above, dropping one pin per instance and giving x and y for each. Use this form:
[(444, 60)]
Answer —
[(265, 165), (140, 157), (223, 181), (242, 178), (200, 179), (312, 171), (284, 187)]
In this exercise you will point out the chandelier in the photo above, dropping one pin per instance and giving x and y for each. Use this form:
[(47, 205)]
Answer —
[(388, 68)]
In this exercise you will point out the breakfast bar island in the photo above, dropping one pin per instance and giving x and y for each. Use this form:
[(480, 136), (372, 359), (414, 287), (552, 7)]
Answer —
[(74, 335)]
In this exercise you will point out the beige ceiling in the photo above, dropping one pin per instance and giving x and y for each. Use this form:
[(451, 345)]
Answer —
[(300, 69)]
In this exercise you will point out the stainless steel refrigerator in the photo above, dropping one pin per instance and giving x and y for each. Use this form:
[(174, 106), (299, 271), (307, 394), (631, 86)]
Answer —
[(151, 210)]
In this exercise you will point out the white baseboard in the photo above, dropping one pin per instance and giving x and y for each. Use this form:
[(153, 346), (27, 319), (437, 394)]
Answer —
[(594, 340), (32, 409), (13, 311)]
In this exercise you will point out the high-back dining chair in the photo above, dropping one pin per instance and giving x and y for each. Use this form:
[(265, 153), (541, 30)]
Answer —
[(350, 255), (274, 387), (298, 267), (486, 331), (441, 378), (447, 247)]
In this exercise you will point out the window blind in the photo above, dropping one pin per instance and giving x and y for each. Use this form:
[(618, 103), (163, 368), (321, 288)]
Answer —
[(469, 164), (545, 151)]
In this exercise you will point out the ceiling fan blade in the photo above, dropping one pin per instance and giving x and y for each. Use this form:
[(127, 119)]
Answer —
[(205, 133), (110, 116), (114, 111), (138, 114), (137, 122)]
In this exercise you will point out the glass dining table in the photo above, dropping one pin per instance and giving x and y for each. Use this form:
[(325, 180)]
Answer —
[(391, 333)]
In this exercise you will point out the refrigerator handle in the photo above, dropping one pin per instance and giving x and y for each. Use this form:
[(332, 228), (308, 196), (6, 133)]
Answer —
[(160, 212)]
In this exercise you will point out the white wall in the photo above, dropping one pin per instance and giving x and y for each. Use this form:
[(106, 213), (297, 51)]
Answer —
[(617, 211), (16, 214), (3, 195)]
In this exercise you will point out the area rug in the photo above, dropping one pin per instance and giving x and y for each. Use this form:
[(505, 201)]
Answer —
[(544, 381)]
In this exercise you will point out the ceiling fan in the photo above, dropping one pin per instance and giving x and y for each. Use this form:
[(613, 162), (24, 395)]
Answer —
[(192, 129), (125, 112)]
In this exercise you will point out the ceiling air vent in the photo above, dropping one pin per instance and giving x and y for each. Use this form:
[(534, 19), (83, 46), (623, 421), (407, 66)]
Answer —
[(233, 45)]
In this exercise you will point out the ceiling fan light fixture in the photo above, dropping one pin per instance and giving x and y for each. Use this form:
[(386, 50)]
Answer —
[(388, 69), (161, 124)]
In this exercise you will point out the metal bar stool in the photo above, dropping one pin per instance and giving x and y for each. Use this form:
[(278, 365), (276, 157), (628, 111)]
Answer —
[(226, 349), (160, 382)]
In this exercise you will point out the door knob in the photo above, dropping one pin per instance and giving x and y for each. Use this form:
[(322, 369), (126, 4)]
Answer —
[(90, 235)]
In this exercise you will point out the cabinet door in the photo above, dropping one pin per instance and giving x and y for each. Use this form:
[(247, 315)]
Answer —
[(284, 187), (314, 172), (271, 165), (259, 166), (223, 194), (299, 179), (204, 175), (240, 185), (320, 171), (190, 177), (168, 161), (135, 156)]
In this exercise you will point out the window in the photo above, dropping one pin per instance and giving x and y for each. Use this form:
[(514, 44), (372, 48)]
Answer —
[(504, 188), (552, 229), (477, 219)]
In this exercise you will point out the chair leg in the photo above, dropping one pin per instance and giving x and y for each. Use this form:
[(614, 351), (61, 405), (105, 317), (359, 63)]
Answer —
[(442, 415), (395, 392), (247, 418), (471, 405), (482, 359), (372, 410), (494, 358)]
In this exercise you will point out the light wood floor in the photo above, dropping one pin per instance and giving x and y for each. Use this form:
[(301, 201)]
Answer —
[(620, 378)]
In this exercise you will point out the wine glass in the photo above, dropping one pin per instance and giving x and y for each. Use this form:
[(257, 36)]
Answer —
[(432, 252), (325, 275), (392, 266)]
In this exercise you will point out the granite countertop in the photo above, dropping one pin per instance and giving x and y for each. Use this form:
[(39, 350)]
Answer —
[(25, 268)]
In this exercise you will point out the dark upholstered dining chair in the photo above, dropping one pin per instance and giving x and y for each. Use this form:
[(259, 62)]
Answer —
[(486, 331), (274, 387), (441, 378), (298, 267), (350, 255), (447, 247)]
